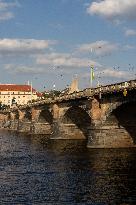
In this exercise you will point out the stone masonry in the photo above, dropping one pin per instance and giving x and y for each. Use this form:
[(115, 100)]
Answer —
[(104, 117)]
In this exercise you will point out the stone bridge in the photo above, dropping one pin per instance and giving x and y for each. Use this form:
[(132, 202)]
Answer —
[(105, 116)]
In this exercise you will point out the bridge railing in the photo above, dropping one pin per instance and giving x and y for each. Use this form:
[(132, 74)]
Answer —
[(116, 87), (88, 92)]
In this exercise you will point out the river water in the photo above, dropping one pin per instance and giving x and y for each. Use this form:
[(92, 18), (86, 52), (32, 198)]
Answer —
[(37, 171)]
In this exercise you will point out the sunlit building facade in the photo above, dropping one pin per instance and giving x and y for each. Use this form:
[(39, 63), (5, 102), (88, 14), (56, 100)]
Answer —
[(17, 94)]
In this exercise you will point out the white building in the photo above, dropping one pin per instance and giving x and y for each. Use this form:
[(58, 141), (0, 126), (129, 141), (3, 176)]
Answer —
[(19, 94)]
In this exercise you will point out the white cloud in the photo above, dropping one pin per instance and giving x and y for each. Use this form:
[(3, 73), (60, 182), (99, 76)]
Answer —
[(5, 13), (108, 75), (130, 32), (63, 59), (116, 74), (6, 16), (32, 69), (49, 63), (5, 5), (114, 9), (128, 47), (98, 47), (23, 46), (23, 69)]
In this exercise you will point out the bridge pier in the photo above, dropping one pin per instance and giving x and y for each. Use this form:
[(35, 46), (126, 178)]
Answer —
[(3, 119), (22, 126), (66, 131), (40, 128), (110, 137), (116, 128), (13, 120)]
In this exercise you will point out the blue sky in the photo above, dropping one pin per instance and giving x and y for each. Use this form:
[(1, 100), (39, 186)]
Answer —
[(50, 42)]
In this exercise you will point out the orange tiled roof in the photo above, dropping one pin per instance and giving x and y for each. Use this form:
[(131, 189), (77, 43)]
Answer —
[(14, 87), (38, 94)]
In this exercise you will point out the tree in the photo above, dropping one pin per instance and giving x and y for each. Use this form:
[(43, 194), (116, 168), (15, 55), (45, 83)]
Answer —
[(0, 105), (51, 94)]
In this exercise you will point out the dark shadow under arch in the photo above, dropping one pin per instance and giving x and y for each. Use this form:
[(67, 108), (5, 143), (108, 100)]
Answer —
[(124, 116), (45, 117), (78, 116), (17, 115), (28, 116)]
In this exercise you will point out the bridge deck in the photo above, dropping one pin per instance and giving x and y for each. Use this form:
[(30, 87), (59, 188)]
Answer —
[(86, 93)]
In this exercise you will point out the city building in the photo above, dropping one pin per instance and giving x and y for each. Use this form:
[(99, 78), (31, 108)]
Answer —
[(17, 94)]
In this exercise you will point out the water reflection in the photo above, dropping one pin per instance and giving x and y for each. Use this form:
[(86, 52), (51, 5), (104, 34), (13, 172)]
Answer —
[(35, 170)]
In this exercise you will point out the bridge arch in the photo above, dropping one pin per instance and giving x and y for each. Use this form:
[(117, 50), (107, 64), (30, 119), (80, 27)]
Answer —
[(76, 122), (45, 116), (112, 104), (28, 115), (123, 119)]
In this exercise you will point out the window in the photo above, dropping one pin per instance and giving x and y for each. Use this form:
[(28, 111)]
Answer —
[(13, 92), (18, 96), (18, 92), (23, 96)]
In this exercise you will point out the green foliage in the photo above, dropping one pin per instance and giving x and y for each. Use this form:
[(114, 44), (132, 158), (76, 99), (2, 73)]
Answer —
[(0, 105), (3, 107), (52, 94)]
